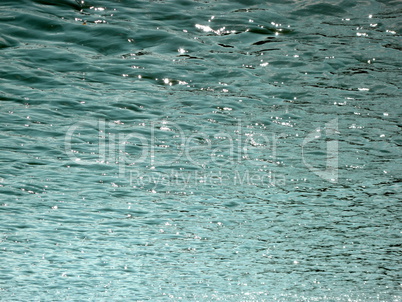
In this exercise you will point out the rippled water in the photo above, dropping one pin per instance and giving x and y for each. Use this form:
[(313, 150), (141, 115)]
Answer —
[(200, 150)]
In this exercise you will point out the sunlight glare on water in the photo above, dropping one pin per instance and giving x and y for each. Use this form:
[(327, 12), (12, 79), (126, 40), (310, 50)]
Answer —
[(200, 150)]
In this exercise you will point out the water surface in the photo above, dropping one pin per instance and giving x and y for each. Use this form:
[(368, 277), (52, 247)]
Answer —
[(200, 150)]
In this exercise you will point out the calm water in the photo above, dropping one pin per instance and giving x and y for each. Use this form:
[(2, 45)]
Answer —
[(200, 150)]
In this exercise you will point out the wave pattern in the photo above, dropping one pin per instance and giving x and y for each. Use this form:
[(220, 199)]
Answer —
[(200, 150)]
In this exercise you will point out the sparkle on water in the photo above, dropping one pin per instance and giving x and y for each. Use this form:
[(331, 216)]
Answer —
[(200, 150)]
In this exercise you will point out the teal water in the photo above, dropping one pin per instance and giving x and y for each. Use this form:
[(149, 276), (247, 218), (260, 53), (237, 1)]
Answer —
[(200, 150)]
